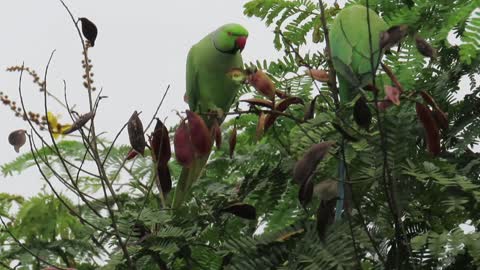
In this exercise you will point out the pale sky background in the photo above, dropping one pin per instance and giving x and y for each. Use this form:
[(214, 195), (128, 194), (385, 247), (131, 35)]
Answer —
[(141, 48)]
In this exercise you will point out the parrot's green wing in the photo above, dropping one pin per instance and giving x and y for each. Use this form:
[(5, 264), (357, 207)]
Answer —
[(192, 83), (350, 47)]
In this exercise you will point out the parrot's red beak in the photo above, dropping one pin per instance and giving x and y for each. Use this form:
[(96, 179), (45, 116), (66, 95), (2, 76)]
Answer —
[(240, 42)]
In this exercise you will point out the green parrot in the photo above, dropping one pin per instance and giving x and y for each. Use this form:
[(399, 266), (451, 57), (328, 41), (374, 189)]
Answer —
[(210, 89), (352, 55)]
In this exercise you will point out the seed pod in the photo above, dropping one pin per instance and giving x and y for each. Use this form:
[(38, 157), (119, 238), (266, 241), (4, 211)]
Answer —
[(199, 134), (242, 210), (260, 126), (269, 120), (132, 154), (325, 216), (431, 128), (305, 167), (80, 122), (160, 144), (393, 94), (262, 83), (216, 134), (89, 30), (305, 192), (135, 133), (281, 94), (184, 152), (17, 138), (440, 118), (164, 179), (233, 141), (362, 114), (259, 102), (285, 103), (425, 48), (318, 75), (393, 36), (428, 99), (310, 110)]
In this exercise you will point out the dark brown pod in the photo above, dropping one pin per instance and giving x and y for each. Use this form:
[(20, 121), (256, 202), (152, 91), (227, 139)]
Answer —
[(440, 118), (80, 122), (281, 94), (325, 216), (431, 128), (424, 47), (242, 210), (393, 36), (199, 134), (258, 102), (216, 134), (164, 179), (305, 192), (17, 138), (135, 133), (89, 30), (160, 144), (269, 120), (285, 103), (428, 99), (132, 154), (362, 114), (305, 167), (184, 152), (260, 126), (233, 141), (310, 110)]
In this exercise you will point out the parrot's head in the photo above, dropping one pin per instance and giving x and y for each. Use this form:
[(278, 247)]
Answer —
[(230, 38)]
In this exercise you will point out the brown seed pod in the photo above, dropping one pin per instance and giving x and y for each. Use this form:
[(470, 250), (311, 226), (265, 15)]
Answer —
[(305, 192), (233, 141), (135, 133), (132, 154), (393, 36), (285, 103), (269, 120), (305, 167), (259, 102), (199, 134), (361, 113), (440, 118), (262, 83), (89, 30), (184, 152), (17, 138), (318, 75), (431, 128), (80, 122), (260, 126), (216, 134), (310, 110), (425, 48), (281, 94), (242, 210), (160, 144), (325, 216), (428, 99), (164, 179)]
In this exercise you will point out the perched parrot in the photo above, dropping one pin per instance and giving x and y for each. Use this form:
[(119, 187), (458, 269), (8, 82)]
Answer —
[(352, 55), (210, 89)]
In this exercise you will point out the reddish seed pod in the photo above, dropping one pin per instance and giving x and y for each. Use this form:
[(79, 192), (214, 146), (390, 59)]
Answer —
[(262, 83), (259, 102), (199, 134), (216, 134), (285, 103), (184, 152), (233, 141), (318, 75), (431, 128)]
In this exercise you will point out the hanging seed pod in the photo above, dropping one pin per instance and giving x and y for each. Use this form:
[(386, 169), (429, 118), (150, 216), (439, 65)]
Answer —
[(269, 120), (428, 99), (89, 30), (325, 216), (285, 103), (310, 110), (184, 152), (393, 94), (425, 48), (281, 94), (164, 179), (262, 83), (318, 75), (393, 36), (199, 134), (430, 127), (362, 114), (160, 144), (260, 126), (259, 102), (305, 167), (242, 210), (305, 192), (216, 134), (80, 122), (233, 141), (440, 118), (17, 138), (132, 154), (135, 133)]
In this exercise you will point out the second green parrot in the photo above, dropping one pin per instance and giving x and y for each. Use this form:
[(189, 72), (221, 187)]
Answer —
[(210, 89)]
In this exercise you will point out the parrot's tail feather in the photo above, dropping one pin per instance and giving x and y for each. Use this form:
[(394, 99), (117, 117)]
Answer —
[(187, 177)]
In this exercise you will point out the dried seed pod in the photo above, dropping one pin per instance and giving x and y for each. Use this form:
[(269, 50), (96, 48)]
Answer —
[(17, 138), (431, 128), (440, 118), (80, 122), (285, 103), (425, 48), (305, 192), (199, 134), (269, 120), (305, 167), (259, 102), (318, 75), (233, 141), (281, 94), (325, 216), (184, 152), (216, 134), (89, 30), (242, 210), (260, 126), (362, 114), (310, 110), (164, 179), (428, 99), (160, 144), (262, 83), (393, 36), (135, 133), (132, 154), (393, 94)]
